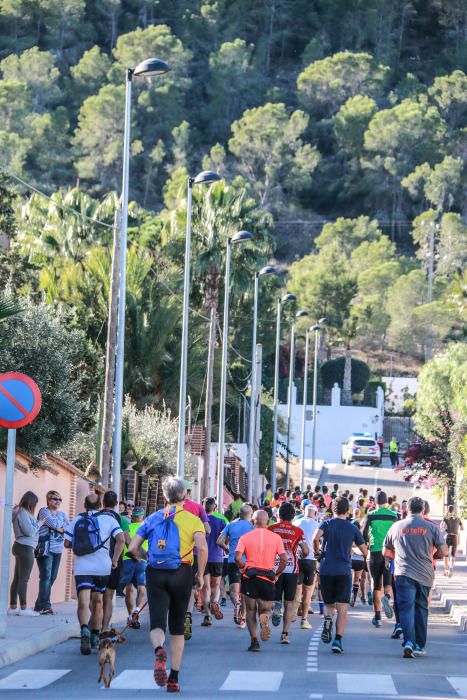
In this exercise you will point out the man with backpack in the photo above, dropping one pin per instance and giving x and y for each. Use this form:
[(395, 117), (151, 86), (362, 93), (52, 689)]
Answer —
[(89, 536), (172, 533)]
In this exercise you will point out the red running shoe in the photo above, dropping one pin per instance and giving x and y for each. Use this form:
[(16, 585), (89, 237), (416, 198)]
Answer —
[(173, 686), (216, 611), (160, 667)]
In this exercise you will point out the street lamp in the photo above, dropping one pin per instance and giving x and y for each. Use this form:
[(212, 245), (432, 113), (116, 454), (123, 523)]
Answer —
[(305, 396), (203, 178), (145, 69), (240, 237), (268, 270), (299, 314), (316, 328), (285, 299)]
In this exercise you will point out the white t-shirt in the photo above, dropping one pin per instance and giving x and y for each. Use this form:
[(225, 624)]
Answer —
[(309, 527), (98, 563)]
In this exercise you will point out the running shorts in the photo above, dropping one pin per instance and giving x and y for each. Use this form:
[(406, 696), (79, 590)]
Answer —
[(379, 573), (96, 584), (306, 571), (233, 573), (358, 564), (286, 586), (114, 579), (451, 543), (168, 592), (258, 588), (225, 568), (335, 589), (213, 569), (194, 569), (133, 572)]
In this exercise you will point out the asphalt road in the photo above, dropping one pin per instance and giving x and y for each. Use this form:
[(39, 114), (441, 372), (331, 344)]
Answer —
[(217, 665)]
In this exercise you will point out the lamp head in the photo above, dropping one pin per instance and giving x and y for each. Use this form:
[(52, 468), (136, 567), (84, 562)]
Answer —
[(301, 314), (288, 297), (323, 320), (150, 67), (242, 236), (205, 177), (268, 270), (315, 327)]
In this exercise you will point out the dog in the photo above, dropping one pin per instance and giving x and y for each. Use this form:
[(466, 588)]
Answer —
[(107, 654)]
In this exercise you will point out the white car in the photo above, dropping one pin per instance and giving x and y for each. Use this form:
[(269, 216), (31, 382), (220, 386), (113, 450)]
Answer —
[(360, 448)]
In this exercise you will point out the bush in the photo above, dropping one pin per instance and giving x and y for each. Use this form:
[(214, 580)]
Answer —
[(333, 371)]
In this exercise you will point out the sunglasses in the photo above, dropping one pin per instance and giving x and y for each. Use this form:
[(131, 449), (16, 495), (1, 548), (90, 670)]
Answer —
[(55, 498)]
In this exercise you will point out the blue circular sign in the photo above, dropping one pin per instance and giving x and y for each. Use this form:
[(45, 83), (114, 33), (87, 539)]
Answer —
[(20, 400)]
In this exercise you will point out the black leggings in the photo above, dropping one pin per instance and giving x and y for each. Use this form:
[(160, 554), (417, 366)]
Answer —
[(168, 592)]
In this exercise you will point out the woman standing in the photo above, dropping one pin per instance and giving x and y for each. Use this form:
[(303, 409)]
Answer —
[(54, 524), (26, 529)]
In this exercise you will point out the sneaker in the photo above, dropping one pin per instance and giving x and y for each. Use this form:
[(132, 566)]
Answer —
[(187, 629), (160, 667), (408, 650), (265, 628), (352, 602), (242, 624), (173, 686), (276, 615), (419, 651), (217, 612), (446, 573), (363, 599), (49, 611), (240, 619), (254, 646), (305, 625), (94, 640), (369, 597), (223, 602), (397, 631), (326, 632), (13, 611), (388, 611), (27, 612), (133, 621), (285, 638), (85, 646), (207, 622), (376, 623), (336, 647)]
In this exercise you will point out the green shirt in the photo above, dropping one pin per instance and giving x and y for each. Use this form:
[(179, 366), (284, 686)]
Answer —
[(133, 529), (393, 446), (222, 517), (235, 507), (378, 523)]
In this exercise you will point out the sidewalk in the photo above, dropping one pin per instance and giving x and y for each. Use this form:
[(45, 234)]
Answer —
[(29, 635), (452, 592)]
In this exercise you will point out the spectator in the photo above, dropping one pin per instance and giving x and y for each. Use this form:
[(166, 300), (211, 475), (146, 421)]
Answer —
[(326, 497), (394, 452), (26, 529), (52, 537)]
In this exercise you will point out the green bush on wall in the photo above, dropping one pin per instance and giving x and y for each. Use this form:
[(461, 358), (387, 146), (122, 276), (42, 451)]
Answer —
[(333, 371)]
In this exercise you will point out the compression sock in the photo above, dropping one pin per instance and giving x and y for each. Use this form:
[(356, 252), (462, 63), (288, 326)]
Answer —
[(84, 627), (377, 614), (355, 590), (173, 675), (338, 637)]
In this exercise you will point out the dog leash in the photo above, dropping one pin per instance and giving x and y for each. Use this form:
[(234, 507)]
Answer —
[(134, 617)]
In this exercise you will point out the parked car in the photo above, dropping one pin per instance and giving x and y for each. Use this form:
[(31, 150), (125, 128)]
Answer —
[(360, 448)]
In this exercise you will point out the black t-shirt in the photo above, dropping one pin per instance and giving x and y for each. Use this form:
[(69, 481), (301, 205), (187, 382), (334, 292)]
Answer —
[(117, 517), (452, 525)]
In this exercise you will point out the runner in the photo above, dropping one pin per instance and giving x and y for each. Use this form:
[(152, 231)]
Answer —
[(134, 574), (451, 524), (374, 527), (286, 584), (171, 533), (339, 535), (230, 536), (197, 510), (260, 548), (410, 543), (212, 575), (109, 503), (306, 566)]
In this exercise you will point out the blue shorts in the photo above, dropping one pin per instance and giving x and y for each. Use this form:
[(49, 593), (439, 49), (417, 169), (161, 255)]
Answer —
[(133, 572), (96, 584)]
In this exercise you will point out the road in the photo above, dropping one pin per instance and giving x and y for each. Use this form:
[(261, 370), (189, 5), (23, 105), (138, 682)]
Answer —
[(217, 665)]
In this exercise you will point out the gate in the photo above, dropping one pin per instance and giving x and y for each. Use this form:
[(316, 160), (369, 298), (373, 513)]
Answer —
[(400, 427)]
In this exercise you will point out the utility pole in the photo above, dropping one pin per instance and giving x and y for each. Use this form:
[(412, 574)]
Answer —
[(205, 482), (111, 349), (431, 268), (257, 438)]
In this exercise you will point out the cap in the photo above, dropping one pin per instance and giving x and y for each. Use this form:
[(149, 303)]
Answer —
[(137, 512)]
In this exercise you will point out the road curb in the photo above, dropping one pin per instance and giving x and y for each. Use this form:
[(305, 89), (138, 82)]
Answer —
[(455, 607)]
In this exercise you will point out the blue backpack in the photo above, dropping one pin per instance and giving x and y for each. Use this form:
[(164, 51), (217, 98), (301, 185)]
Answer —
[(164, 540), (87, 535)]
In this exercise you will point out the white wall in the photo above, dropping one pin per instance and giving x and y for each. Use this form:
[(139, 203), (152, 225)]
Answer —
[(334, 424), (396, 387)]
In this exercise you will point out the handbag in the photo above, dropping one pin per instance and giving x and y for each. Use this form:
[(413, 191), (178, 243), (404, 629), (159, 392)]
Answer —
[(43, 546)]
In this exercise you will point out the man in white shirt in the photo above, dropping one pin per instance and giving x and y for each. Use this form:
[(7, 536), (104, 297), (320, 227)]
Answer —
[(306, 566), (89, 535)]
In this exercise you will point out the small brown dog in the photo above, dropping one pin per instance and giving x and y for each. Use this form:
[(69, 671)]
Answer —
[(107, 653)]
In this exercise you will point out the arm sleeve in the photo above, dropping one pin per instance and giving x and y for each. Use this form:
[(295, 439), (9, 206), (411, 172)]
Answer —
[(143, 530), (203, 516), (49, 519), (198, 525), (28, 528)]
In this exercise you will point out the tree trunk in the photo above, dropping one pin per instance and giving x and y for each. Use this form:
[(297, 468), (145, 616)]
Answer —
[(212, 299), (347, 384)]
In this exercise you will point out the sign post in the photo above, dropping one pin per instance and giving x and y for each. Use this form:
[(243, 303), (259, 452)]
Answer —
[(20, 402)]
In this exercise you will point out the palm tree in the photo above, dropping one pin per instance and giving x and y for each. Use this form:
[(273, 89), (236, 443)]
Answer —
[(8, 307), (349, 333)]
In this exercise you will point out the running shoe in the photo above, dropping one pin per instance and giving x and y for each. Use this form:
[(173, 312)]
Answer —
[(160, 667), (363, 599), (369, 596), (173, 686), (95, 640), (265, 628), (408, 650), (254, 646), (242, 624), (419, 651), (352, 601), (305, 625), (240, 618), (216, 611), (326, 632), (388, 611), (223, 602), (375, 622), (133, 620), (397, 631), (285, 638), (207, 622), (85, 646), (276, 614), (336, 647), (187, 629)]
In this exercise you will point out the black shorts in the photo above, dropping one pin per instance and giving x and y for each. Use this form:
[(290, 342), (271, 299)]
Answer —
[(335, 589), (96, 584), (168, 594), (451, 543), (358, 565), (379, 573), (306, 571), (194, 570), (114, 578), (286, 586), (213, 569), (258, 588), (225, 568), (234, 573)]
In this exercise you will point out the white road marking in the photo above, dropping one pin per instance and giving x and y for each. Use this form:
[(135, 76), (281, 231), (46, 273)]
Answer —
[(263, 681), (134, 679), (32, 678), (315, 695), (459, 683), (363, 684)]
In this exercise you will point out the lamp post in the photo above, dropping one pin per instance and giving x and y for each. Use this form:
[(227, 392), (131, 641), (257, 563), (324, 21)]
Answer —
[(146, 69), (268, 270), (316, 328), (299, 314), (285, 299), (305, 396), (204, 177), (240, 237)]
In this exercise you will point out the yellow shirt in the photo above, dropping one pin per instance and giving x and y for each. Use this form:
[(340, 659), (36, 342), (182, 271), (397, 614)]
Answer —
[(187, 524)]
